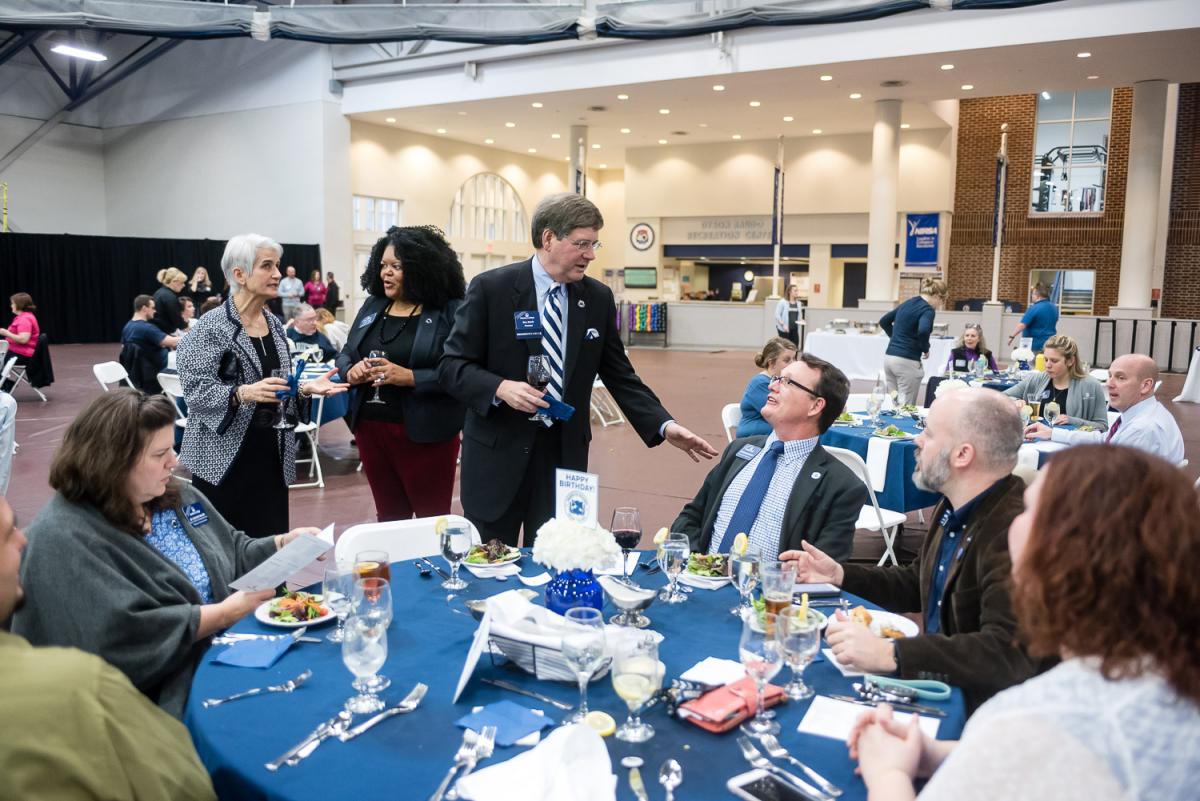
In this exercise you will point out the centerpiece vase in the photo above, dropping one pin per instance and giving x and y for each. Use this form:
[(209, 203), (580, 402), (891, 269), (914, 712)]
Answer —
[(572, 588)]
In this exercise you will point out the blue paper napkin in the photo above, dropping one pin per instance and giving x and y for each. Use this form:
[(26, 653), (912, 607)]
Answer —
[(512, 721), (261, 653)]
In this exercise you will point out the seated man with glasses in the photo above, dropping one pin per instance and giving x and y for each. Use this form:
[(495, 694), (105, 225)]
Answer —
[(784, 488)]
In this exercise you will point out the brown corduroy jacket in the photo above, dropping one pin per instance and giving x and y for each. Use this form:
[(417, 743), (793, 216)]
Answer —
[(977, 646)]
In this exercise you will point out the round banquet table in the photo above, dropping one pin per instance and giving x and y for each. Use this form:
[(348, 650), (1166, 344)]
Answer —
[(899, 492), (861, 355), (406, 756)]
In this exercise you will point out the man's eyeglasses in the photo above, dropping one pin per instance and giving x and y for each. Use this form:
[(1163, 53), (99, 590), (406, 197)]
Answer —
[(795, 384), (584, 244)]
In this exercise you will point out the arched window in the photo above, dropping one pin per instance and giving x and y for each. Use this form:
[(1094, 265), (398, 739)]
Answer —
[(487, 207)]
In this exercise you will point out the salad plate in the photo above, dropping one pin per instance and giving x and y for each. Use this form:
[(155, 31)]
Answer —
[(288, 611)]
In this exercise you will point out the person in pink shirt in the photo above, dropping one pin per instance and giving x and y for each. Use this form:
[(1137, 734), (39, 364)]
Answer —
[(22, 333), (315, 290)]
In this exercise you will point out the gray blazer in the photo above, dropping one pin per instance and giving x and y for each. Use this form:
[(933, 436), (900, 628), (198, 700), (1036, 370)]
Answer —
[(97, 588), (216, 427), (1087, 402)]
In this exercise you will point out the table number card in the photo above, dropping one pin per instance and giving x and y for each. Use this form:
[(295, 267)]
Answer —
[(577, 496)]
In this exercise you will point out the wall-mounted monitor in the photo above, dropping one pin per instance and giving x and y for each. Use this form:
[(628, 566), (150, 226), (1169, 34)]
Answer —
[(641, 277)]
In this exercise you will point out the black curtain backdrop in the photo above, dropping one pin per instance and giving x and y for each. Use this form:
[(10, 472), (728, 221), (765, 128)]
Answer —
[(84, 286)]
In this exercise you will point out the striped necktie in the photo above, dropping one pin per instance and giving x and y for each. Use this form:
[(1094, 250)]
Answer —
[(552, 340), (1113, 429)]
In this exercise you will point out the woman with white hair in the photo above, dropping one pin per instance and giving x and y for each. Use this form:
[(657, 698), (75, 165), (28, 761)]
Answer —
[(238, 459)]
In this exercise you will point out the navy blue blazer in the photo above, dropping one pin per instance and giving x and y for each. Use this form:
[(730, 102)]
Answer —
[(430, 415)]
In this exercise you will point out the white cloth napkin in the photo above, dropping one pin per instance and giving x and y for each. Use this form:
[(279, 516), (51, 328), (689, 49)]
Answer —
[(492, 571), (614, 569), (827, 717), (535, 581), (703, 582), (570, 764), (878, 450), (714, 672)]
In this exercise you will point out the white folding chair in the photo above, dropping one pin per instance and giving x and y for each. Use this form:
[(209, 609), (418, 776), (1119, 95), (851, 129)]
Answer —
[(731, 415), (1100, 374), (871, 517), (312, 431), (173, 389), (111, 373), (16, 373), (402, 539), (604, 407)]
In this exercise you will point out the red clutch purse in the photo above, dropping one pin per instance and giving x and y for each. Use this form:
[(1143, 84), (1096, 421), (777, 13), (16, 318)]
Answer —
[(722, 709)]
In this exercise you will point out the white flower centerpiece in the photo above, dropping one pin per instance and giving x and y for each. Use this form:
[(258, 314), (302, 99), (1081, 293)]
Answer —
[(1023, 356), (574, 550), (949, 385)]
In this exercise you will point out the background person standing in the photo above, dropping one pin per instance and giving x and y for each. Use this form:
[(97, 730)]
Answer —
[(909, 326), (1040, 320), (291, 293)]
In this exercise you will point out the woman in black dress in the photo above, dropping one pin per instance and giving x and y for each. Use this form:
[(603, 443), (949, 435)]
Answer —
[(238, 458), (168, 311)]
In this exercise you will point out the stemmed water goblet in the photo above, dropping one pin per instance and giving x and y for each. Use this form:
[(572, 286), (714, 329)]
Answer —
[(800, 631), (673, 557), (364, 650), (761, 652), (338, 591), (583, 650), (456, 544), (636, 677), (377, 378), (372, 601), (743, 568)]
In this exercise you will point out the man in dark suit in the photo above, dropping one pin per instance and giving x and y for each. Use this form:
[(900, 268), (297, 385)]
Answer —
[(333, 294), (544, 305), (960, 582), (782, 489)]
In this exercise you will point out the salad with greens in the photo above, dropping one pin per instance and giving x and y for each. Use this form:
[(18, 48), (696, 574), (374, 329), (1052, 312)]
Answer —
[(707, 565), (892, 432)]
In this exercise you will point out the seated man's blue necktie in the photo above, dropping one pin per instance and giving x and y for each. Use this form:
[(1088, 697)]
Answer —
[(751, 501)]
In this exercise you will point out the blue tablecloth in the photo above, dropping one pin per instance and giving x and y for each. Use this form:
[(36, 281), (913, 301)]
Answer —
[(406, 756), (996, 381), (899, 493)]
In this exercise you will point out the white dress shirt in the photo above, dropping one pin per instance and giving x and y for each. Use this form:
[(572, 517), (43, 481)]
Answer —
[(1146, 425)]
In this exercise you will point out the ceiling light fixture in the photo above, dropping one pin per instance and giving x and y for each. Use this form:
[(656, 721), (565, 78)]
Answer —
[(78, 52), (625, 130), (604, 166), (622, 97), (664, 111), (390, 119), (1045, 95), (556, 136), (536, 105), (718, 87), (905, 125), (441, 130), (789, 119), (1084, 54), (1092, 77), (489, 141), (755, 104), (595, 147), (947, 67), (826, 77), (462, 113), (662, 141), (510, 125), (817, 130), (533, 150), (966, 87), (856, 95), (737, 136), (704, 125)]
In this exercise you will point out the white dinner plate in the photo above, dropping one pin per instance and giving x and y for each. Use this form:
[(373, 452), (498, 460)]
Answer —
[(894, 439), (514, 555), (263, 615), (703, 582), (892, 620)]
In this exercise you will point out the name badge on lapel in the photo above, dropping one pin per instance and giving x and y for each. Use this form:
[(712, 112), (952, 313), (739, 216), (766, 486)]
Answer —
[(748, 451), (370, 318), (195, 515), (527, 325)]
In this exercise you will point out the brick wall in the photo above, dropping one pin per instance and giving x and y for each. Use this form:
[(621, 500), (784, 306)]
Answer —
[(1181, 275), (1085, 242)]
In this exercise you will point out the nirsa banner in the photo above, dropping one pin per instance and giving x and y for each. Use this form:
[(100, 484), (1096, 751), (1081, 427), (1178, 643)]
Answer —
[(921, 240)]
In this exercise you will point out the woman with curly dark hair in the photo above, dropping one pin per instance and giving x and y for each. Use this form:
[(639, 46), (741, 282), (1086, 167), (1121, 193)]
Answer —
[(406, 425), (1104, 561)]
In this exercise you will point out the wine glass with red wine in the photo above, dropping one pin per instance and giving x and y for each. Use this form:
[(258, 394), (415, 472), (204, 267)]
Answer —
[(627, 529), (537, 373)]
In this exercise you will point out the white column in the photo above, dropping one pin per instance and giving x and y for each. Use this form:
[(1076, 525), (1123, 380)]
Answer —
[(881, 232), (578, 151), (1141, 199)]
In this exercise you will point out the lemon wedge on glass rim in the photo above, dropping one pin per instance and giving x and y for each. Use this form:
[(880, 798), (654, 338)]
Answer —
[(740, 543), (660, 536), (440, 525), (601, 722)]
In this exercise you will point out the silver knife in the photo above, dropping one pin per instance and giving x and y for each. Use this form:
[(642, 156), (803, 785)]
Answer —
[(636, 784), (437, 569), (410, 702), (898, 706), (504, 685), (316, 733)]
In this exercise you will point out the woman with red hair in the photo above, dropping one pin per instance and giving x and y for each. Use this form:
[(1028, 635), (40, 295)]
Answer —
[(1104, 559)]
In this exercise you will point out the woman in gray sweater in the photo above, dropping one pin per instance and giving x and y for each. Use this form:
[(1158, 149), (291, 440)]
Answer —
[(1081, 399), (128, 563)]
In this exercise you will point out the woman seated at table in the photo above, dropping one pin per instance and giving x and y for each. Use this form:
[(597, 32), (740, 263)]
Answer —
[(127, 562), (1080, 398), (968, 350), (1103, 557), (334, 329), (408, 443), (777, 354)]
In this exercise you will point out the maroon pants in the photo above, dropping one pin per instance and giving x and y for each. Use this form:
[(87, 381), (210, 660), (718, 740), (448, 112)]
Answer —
[(407, 478)]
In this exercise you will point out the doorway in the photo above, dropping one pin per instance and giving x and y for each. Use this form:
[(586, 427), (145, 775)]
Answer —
[(854, 283)]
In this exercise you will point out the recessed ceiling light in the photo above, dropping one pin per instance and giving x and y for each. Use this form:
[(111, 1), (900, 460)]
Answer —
[(536, 105), (462, 113), (704, 125), (662, 141), (489, 141), (595, 147), (718, 87), (737, 136), (856, 95), (556, 136), (966, 87), (1045, 95), (905, 125), (817, 130), (622, 97), (390, 119), (947, 66), (1092, 77), (755, 104), (441, 130), (664, 111), (510, 125), (604, 166), (625, 130), (826, 77), (78, 52), (533, 150), (1084, 54), (789, 119)]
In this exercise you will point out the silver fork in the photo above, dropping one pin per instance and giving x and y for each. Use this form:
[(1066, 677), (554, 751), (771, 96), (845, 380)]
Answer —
[(286, 687), (756, 758), (771, 743), (465, 751), (483, 750)]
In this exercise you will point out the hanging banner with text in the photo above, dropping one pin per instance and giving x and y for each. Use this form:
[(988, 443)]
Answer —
[(921, 240)]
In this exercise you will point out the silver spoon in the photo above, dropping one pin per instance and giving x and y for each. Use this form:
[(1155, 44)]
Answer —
[(670, 776)]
